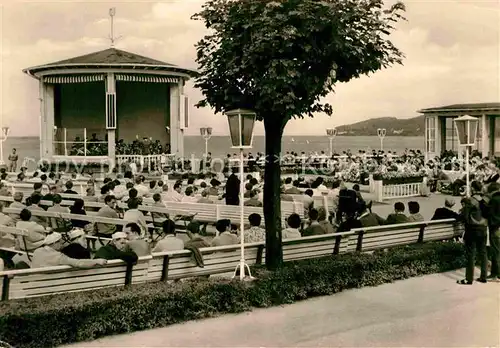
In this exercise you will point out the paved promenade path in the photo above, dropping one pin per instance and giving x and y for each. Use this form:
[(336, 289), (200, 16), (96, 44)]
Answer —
[(429, 311)]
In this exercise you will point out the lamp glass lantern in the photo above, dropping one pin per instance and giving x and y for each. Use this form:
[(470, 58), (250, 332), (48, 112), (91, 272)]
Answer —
[(331, 132), (466, 127), (241, 124), (5, 131)]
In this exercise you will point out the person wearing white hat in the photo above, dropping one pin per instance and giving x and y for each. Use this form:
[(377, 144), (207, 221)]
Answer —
[(118, 249), (49, 255), (76, 249)]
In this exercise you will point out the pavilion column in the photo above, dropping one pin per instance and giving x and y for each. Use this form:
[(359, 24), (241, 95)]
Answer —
[(176, 129), (485, 136), (47, 121), (111, 117)]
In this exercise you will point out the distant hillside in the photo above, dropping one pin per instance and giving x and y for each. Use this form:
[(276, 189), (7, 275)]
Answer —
[(394, 126)]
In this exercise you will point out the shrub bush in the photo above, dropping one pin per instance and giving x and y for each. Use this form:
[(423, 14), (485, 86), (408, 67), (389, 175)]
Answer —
[(72, 317)]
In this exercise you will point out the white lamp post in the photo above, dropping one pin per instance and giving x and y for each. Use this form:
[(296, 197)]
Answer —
[(3, 137), (381, 132), (332, 133), (466, 127), (206, 133), (241, 123)]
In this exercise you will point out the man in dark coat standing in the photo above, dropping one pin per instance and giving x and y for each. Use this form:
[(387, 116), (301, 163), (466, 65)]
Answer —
[(233, 189), (494, 229)]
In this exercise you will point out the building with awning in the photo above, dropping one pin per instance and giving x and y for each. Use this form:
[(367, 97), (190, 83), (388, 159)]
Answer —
[(440, 133), (108, 97)]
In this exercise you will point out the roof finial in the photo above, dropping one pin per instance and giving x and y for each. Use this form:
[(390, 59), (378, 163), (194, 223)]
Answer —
[(112, 12)]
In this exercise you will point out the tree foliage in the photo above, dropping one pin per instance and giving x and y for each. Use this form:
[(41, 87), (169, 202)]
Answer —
[(279, 58)]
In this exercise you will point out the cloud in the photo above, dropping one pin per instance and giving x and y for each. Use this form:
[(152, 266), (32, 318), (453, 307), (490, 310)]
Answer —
[(451, 47)]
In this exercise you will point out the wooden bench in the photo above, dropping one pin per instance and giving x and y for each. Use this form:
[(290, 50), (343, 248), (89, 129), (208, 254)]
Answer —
[(316, 246), (27, 188), (91, 240), (53, 280), (324, 201), (13, 231), (386, 236), (179, 264)]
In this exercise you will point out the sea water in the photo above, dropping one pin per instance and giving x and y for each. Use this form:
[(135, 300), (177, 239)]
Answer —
[(220, 146)]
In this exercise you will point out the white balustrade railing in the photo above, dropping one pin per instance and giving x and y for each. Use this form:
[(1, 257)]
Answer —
[(383, 192)]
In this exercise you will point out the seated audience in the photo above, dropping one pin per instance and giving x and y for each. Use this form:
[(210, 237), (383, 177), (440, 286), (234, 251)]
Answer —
[(50, 255), (56, 206), (248, 190), (170, 242), (108, 211), (117, 249), (5, 220), (142, 190), (50, 196), (253, 201), (398, 217), (78, 209), (91, 197), (18, 198), (133, 214), (189, 195), (157, 203), (414, 209), (35, 207), (135, 241), (175, 194), (195, 239), (255, 233), (293, 229), (308, 201), (446, 212), (327, 226), (204, 198), (35, 232), (225, 236), (368, 219), (77, 247), (293, 190), (69, 188), (314, 227), (214, 189)]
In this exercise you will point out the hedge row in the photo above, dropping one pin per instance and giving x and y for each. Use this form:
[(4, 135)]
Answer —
[(84, 316)]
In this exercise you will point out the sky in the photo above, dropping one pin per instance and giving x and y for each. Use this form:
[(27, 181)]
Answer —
[(452, 53)]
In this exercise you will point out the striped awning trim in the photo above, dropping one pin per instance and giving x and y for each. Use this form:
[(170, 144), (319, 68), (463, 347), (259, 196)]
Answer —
[(73, 79), (146, 78)]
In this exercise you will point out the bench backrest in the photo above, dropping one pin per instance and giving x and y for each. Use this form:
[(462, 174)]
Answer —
[(179, 264), (380, 237), (58, 215), (52, 280)]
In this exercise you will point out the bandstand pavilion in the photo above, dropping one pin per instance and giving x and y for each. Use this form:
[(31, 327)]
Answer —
[(110, 95), (440, 134)]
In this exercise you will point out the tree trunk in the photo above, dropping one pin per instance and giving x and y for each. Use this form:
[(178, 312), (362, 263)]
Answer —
[(272, 195)]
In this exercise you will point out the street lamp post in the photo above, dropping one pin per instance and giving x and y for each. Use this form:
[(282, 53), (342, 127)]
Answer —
[(241, 123), (206, 133), (3, 137), (381, 132), (332, 133), (466, 127)]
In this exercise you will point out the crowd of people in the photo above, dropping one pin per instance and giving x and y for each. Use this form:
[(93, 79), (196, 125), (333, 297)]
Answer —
[(349, 210)]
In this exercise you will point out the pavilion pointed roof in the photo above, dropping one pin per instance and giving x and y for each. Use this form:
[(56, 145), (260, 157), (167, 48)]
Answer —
[(108, 58), (112, 56)]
